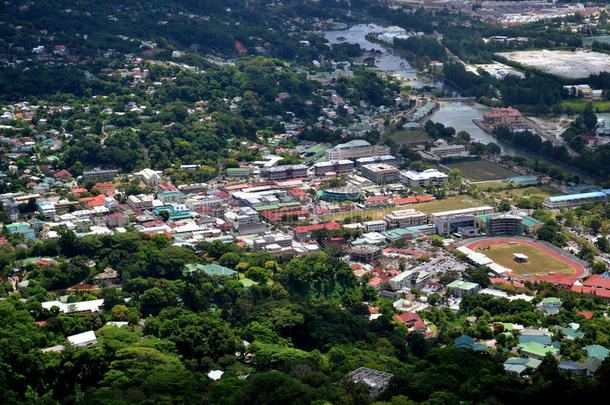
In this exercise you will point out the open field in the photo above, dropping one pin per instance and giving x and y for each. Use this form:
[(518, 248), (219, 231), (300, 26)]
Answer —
[(447, 204), (578, 105), (533, 191), (409, 136), (539, 260), (573, 65), (481, 170)]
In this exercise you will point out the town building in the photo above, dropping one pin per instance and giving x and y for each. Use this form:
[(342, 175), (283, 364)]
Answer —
[(355, 149), (172, 197), (464, 225), (117, 219), (423, 179), (504, 224), (375, 226), (336, 166), (380, 173), (459, 288), (285, 172), (364, 254), (575, 200), (149, 177), (377, 381), (83, 340), (449, 150), (100, 174), (107, 278), (405, 218), (340, 194), (46, 208), (303, 233), (387, 159), (503, 117), (476, 211)]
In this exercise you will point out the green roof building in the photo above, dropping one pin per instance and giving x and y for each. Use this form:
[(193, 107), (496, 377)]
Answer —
[(209, 269), (459, 288), (537, 350), (597, 351)]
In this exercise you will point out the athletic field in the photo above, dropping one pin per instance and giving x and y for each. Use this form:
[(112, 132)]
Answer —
[(481, 170), (540, 260)]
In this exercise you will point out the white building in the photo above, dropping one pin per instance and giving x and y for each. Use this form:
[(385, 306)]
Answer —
[(85, 339), (405, 218), (375, 226), (355, 149), (422, 179), (149, 176), (242, 216), (46, 208)]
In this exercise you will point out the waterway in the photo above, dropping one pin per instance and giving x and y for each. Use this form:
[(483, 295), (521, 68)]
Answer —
[(386, 59), (456, 114)]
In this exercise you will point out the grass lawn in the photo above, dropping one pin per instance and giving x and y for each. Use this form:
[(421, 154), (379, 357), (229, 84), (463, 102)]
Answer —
[(539, 262), (533, 191), (447, 204), (578, 105), (409, 136), (481, 170)]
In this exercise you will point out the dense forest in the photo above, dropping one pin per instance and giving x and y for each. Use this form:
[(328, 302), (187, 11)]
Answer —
[(296, 334)]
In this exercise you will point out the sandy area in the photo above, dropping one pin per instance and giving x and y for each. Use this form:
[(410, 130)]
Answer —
[(574, 65)]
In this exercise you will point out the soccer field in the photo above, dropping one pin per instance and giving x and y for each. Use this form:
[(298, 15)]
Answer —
[(538, 260), (481, 170), (447, 204)]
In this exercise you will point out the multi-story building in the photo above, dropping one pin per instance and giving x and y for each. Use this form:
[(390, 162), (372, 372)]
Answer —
[(117, 219), (286, 172), (12, 209), (459, 288), (380, 173), (405, 218), (336, 166), (355, 149), (100, 174), (46, 208), (149, 176), (375, 226), (423, 179), (140, 202), (465, 225), (504, 224), (242, 216), (21, 228), (448, 150), (172, 197), (303, 233), (575, 200), (503, 117), (484, 210), (364, 254), (387, 159)]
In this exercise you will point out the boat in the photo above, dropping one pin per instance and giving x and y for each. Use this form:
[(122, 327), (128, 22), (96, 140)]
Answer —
[(341, 38)]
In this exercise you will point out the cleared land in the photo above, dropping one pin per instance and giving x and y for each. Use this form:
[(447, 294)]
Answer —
[(573, 65), (447, 204), (538, 261), (409, 136), (481, 170)]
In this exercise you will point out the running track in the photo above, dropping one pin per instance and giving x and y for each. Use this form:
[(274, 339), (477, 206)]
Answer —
[(579, 270)]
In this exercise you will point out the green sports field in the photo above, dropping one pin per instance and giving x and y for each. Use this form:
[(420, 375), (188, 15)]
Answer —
[(409, 136), (481, 170), (447, 204), (538, 261)]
